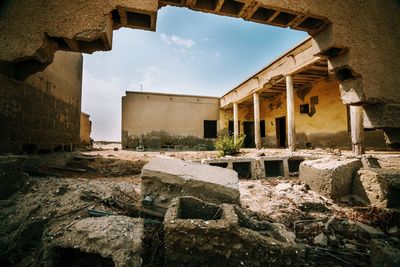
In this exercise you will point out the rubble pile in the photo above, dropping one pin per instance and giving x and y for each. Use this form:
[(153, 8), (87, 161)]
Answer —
[(70, 217)]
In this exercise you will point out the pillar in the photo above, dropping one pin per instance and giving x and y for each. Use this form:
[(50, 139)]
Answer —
[(357, 130), (235, 121), (256, 109), (291, 130)]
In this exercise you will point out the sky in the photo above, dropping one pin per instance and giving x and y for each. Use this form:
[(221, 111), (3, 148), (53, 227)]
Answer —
[(190, 53)]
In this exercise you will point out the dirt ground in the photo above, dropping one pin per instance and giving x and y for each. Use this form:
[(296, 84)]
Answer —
[(63, 187)]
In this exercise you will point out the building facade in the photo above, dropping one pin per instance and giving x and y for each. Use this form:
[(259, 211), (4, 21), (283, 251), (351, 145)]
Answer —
[(169, 120), (294, 102)]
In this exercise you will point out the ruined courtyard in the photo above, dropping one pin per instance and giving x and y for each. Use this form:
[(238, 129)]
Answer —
[(297, 165)]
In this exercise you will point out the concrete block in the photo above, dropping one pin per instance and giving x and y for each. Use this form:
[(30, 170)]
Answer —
[(380, 187), (11, 176), (112, 241), (165, 178), (214, 235), (274, 166), (332, 178)]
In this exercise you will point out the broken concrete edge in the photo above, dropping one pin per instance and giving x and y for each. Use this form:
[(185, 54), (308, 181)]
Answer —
[(222, 239), (99, 236), (331, 178)]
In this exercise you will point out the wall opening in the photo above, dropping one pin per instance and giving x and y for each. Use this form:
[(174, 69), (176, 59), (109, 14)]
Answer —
[(294, 165), (274, 168), (243, 169), (220, 164), (190, 208), (65, 257), (280, 124)]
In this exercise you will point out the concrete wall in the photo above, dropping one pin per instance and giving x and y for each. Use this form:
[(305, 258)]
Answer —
[(85, 130), (327, 127), (42, 113), (178, 116)]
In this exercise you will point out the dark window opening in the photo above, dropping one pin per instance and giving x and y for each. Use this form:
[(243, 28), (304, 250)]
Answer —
[(274, 168), (210, 129), (262, 128), (231, 128), (138, 19), (305, 108)]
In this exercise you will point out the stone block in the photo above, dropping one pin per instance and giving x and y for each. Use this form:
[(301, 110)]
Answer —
[(379, 187), (198, 233), (330, 177), (11, 176), (105, 241), (165, 178)]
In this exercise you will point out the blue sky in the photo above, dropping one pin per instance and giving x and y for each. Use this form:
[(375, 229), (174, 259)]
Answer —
[(190, 53)]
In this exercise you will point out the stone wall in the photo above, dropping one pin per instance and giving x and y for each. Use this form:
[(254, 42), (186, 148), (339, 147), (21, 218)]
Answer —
[(42, 113)]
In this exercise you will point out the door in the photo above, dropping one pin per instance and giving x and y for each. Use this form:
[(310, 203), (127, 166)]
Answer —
[(249, 132), (280, 132)]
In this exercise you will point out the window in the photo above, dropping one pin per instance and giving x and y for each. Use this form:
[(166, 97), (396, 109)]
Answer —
[(210, 129), (231, 128), (304, 108), (262, 128)]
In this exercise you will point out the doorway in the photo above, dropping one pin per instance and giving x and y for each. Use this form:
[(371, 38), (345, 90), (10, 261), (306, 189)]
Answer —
[(249, 132), (280, 132)]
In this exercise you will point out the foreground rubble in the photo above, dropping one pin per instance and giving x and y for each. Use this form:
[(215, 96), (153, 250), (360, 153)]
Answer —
[(53, 219)]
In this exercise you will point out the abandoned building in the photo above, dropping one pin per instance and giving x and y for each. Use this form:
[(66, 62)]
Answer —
[(297, 81), (271, 207)]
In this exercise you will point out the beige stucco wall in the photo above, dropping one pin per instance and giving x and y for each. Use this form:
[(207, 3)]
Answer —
[(178, 115), (86, 128), (327, 127)]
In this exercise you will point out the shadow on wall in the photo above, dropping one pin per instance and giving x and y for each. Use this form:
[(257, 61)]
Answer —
[(164, 140)]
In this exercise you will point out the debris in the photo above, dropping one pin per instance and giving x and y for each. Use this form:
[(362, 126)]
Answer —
[(167, 178), (99, 213), (372, 231), (321, 240), (394, 231), (67, 169), (385, 252), (332, 178), (283, 187)]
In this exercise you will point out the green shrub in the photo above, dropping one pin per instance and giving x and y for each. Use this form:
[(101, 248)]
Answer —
[(226, 144)]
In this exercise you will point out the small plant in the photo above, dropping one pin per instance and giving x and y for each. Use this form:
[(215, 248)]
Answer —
[(226, 144)]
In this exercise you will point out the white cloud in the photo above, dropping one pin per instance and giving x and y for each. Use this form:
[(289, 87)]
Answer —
[(176, 40)]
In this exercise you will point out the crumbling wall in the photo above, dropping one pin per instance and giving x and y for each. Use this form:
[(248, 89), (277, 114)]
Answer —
[(85, 129), (42, 113)]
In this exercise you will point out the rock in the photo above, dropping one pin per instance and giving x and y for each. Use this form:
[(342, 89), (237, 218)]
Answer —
[(283, 187), (350, 246), (372, 231), (378, 187), (321, 240), (169, 178), (330, 177)]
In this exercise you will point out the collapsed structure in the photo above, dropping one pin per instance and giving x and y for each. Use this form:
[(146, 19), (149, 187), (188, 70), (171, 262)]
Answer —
[(342, 35)]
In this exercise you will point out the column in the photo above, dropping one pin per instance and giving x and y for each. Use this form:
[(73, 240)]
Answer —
[(256, 109), (235, 121), (357, 129), (291, 130)]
